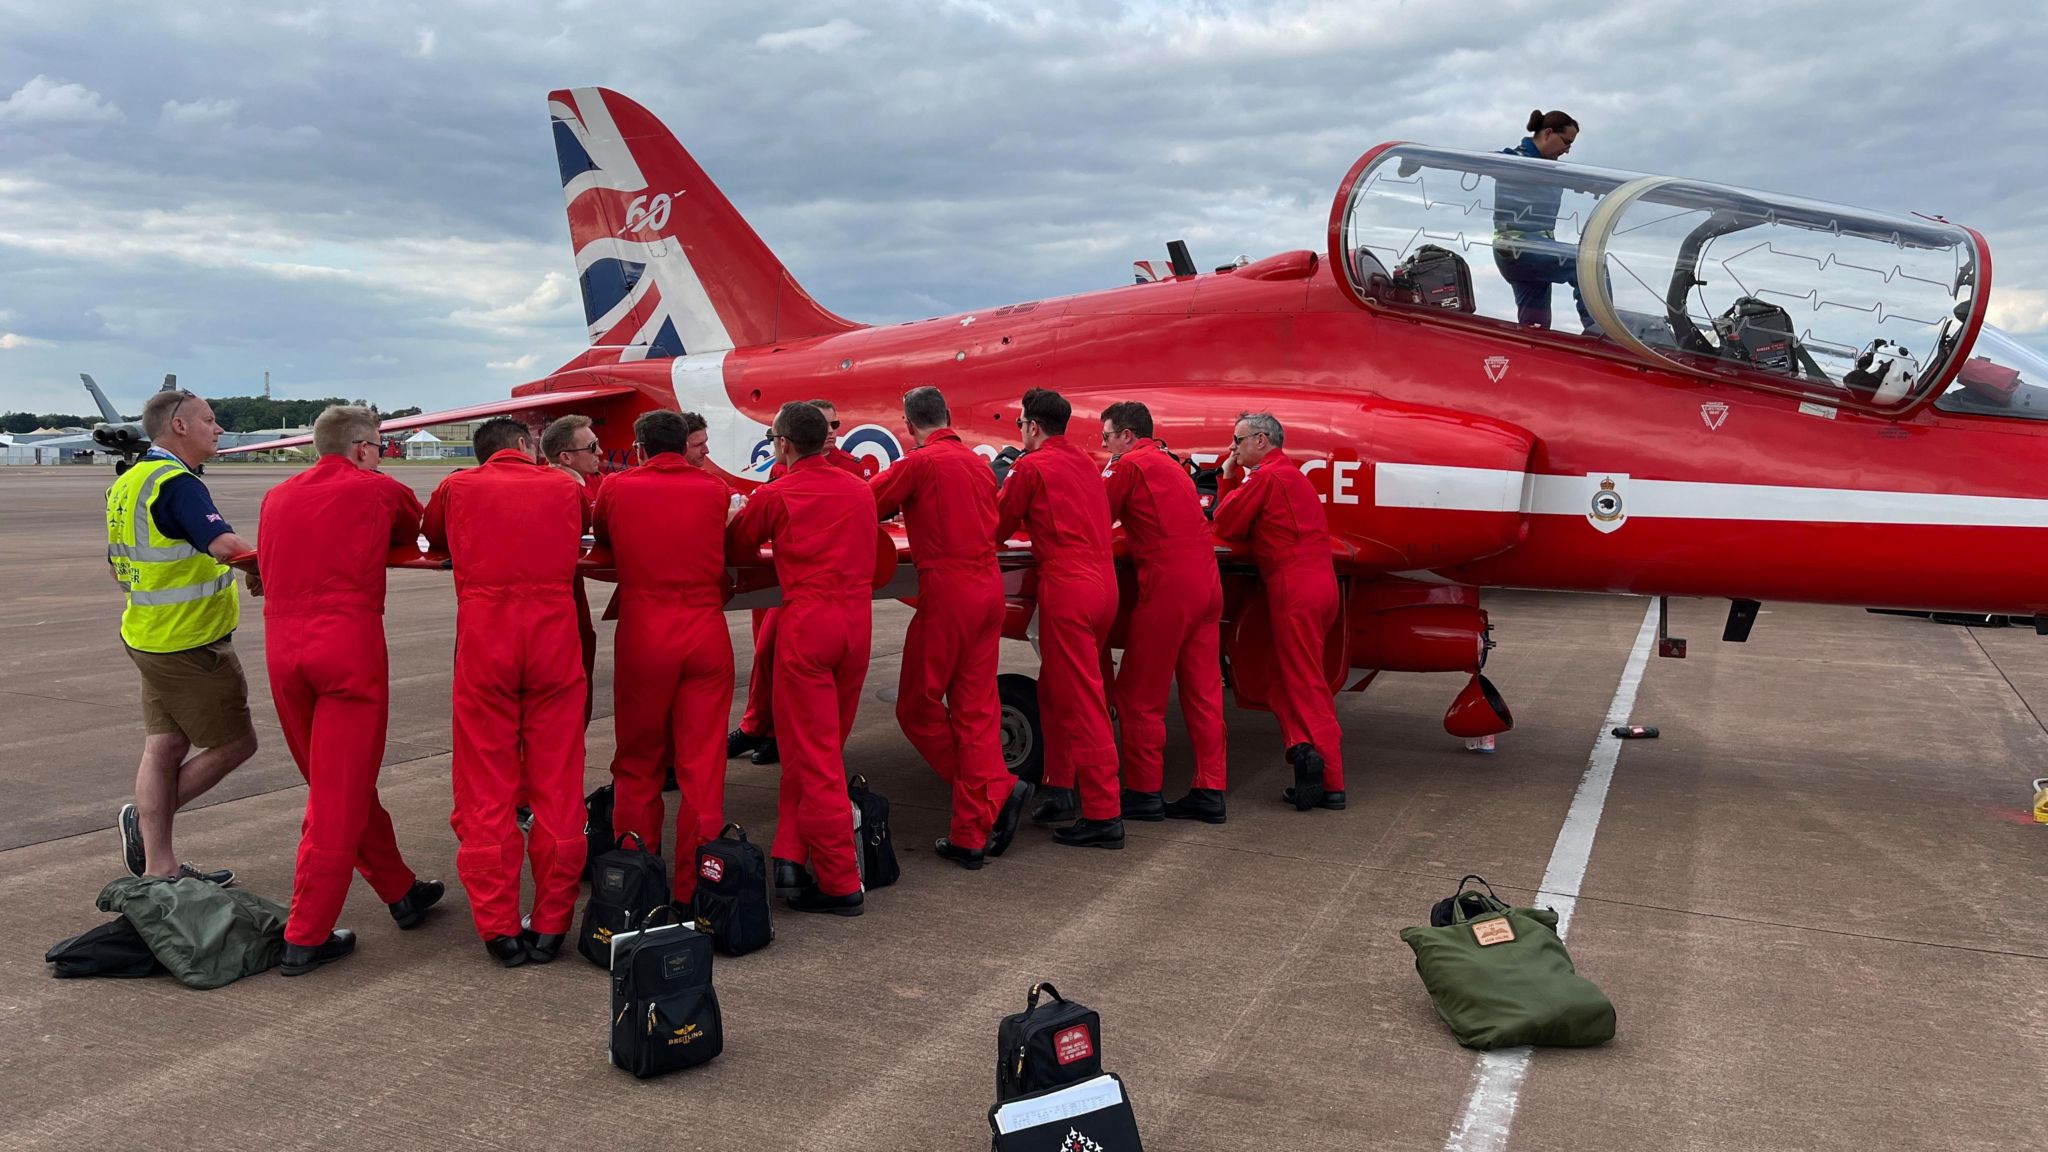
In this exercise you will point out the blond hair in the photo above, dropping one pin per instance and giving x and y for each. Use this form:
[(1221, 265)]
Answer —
[(340, 426)]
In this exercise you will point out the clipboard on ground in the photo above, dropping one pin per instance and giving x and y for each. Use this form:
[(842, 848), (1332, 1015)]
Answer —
[(1093, 1115)]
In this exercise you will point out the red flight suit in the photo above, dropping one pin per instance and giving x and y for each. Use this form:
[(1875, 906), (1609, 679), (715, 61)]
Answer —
[(1277, 510), (326, 533), (1055, 493), (672, 680), (513, 529), (586, 630), (759, 718), (822, 522), (946, 697), (1176, 625)]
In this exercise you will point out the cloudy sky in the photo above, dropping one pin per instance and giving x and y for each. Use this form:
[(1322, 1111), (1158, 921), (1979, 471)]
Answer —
[(362, 197)]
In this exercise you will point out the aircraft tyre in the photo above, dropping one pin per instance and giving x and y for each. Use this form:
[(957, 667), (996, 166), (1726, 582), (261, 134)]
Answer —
[(1023, 739)]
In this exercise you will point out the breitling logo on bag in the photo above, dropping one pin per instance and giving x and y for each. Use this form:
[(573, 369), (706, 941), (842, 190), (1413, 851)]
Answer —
[(686, 1034)]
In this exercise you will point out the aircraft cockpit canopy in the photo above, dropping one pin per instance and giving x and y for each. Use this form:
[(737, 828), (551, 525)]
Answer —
[(1857, 308)]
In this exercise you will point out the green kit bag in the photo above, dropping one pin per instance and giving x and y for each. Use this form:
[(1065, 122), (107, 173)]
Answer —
[(1500, 977)]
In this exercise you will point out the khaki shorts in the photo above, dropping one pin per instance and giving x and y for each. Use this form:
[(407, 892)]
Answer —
[(199, 693)]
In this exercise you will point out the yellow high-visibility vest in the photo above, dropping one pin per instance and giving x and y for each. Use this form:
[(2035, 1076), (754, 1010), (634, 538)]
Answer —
[(179, 597)]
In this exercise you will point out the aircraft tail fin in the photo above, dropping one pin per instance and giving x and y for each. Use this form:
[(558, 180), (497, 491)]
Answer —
[(107, 409), (667, 266), (170, 382)]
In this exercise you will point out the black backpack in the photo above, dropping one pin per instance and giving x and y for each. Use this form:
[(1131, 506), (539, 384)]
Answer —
[(597, 828), (878, 868), (625, 885), (732, 893), (1046, 1046), (664, 1010), (112, 949), (1440, 914)]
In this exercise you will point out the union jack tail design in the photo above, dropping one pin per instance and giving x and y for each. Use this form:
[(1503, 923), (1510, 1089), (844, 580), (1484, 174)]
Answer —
[(666, 265)]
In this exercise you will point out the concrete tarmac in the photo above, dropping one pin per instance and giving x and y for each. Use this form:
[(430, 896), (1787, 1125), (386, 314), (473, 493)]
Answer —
[(1815, 902)]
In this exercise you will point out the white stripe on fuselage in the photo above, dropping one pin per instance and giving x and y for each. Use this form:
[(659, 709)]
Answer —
[(1454, 489), (699, 383)]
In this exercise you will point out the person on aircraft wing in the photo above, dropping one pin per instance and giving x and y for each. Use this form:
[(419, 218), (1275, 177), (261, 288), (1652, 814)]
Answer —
[(166, 548), (946, 697), (755, 736), (1525, 244), (570, 444), (1267, 502), (1175, 627), (1055, 493), (822, 522), (673, 657), (326, 533), (513, 530)]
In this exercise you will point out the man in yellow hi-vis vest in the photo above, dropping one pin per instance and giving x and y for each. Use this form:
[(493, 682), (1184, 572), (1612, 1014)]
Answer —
[(165, 545)]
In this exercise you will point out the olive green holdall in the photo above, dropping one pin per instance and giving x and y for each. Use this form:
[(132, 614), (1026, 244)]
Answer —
[(1500, 977)]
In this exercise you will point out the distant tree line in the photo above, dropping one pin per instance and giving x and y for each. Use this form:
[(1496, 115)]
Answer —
[(235, 413)]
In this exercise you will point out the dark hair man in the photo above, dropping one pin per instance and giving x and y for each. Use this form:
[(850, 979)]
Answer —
[(946, 697), (1176, 625), (514, 532), (326, 533), (755, 736), (1277, 512), (672, 679), (570, 444), (822, 522), (166, 543), (1055, 493)]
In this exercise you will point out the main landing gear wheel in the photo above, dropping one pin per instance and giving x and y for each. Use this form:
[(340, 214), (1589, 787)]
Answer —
[(1023, 739)]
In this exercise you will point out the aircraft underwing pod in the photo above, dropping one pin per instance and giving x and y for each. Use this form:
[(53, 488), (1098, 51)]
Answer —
[(1478, 711), (1839, 305)]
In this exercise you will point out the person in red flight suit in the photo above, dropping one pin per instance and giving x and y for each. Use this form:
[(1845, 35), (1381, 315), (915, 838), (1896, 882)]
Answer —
[(513, 531), (1274, 507), (326, 534), (1176, 626), (673, 676), (755, 736), (1054, 492), (946, 697), (821, 520), (570, 444)]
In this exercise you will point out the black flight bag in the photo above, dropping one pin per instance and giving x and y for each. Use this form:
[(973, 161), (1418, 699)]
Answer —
[(732, 893), (1759, 333), (111, 949), (665, 1013), (597, 828), (878, 868), (625, 885), (1046, 1045)]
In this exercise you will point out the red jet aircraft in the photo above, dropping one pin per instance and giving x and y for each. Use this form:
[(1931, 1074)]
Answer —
[(1776, 399)]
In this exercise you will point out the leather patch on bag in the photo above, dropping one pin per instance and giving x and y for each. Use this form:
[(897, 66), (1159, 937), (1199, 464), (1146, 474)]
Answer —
[(1493, 931), (1073, 1044)]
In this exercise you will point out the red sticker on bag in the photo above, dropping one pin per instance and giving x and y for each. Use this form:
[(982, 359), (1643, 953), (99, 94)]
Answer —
[(1073, 1044), (711, 868)]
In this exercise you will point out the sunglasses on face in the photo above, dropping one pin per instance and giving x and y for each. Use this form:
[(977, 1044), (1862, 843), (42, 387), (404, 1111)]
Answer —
[(591, 447), (835, 425)]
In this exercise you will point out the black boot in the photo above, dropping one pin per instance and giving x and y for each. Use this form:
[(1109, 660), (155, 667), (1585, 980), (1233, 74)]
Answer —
[(1204, 804), (1334, 801), (739, 743), (410, 909), (300, 959), (1005, 829), (1056, 806), (767, 753), (791, 878), (968, 858), (507, 950), (1307, 792), (1143, 806), (541, 947), (812, 900), (1092, 834)]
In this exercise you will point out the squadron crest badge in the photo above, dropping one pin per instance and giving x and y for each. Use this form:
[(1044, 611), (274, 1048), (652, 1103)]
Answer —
[(1608, 508)]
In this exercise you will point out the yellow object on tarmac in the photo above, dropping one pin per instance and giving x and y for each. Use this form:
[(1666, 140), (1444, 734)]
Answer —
[(2041, 800)]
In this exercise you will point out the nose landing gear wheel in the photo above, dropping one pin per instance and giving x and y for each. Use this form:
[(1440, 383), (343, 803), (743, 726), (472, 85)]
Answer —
[(1023, 740)]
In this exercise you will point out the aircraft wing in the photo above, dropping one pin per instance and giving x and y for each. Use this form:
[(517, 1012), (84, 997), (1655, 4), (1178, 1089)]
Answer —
[(539, 402)]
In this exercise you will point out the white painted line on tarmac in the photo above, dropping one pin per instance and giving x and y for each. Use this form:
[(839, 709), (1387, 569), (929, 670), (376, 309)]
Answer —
[(1497, 1080)]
